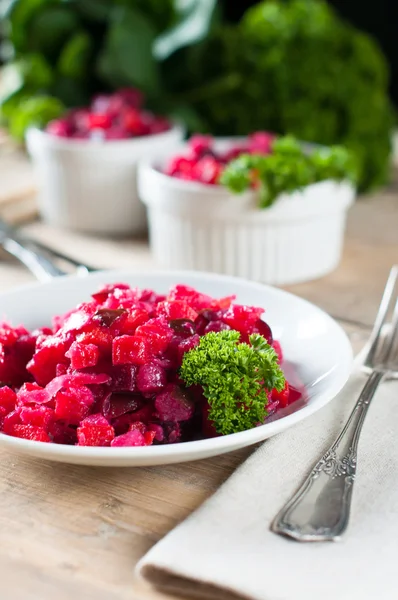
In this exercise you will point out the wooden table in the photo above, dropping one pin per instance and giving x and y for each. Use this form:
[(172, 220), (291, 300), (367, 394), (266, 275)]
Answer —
[(70, 532)]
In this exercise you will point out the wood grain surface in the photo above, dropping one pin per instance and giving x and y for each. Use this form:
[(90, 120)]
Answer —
[(70, 532)]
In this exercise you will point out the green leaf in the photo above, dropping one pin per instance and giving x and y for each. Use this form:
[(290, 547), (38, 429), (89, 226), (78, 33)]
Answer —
[(36, 111), (193, 25), (126, 58), (75, 56), (49, 30), (20, 14), (98, 10)]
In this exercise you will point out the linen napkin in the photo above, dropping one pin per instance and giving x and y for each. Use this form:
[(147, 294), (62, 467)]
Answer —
[(226, 550)]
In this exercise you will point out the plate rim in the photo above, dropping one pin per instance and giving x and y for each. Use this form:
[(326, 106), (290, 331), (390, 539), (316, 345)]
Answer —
[(190, 450)]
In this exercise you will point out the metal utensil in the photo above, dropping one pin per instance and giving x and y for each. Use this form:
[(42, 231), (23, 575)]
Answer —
[(320, 509), (38, 258)]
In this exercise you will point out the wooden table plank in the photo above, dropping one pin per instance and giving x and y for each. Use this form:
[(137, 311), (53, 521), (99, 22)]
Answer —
[(75, 532)]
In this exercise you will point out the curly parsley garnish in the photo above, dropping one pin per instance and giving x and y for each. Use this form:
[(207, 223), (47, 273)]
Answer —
[(235, 378), (288, 168)]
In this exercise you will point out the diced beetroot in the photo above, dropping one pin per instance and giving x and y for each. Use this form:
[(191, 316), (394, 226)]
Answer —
[(149, 437), (83, 355), (38, 416), (282, 396), (32, 393), (174, 404), (107, 290), (208, 428), (216, 326), (60, 370), (157, 430), (97, 336), (13, 418), (240, 317), (207, 170), (73, 405), (191, 296), (199, 144), (95, 430), (262, 328), (294, 395), (134, 318), (158, 332), (129, 349), (222, 303), (178, 309), (151, 378), (76, 379), (61, 433), (29, 432), (187, 345), (98, 121), (124, 378), (278, 349), (8, 398), (172, 432), (124, 422), (139, 426), (44, 362), (183, 327), (131, 438), (120, 404), (108, 316)]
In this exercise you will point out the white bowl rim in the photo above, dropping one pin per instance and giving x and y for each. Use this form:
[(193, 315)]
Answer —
[(84, 144), (192, 448)]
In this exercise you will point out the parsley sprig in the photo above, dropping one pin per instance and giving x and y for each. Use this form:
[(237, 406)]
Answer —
[(235, 378), (288, 168)]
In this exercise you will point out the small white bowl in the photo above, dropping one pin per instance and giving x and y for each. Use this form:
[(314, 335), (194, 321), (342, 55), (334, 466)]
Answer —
[(207, 228), (91, 185)]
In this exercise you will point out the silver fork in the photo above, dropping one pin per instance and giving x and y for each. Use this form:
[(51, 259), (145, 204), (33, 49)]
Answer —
[(320, 510)]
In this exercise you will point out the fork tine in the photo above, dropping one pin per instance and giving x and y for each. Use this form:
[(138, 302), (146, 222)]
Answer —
[(389, 344), (381, 317)]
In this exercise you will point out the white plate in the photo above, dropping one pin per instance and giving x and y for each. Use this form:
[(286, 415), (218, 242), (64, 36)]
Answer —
[(314, 345)]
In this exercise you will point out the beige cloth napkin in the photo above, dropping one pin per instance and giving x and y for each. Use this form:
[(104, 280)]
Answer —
[(225, 549)]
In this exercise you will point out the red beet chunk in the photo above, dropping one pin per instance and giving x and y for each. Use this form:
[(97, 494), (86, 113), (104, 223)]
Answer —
[(83, 355), (30, 432), (73, 405), (44, 362), (97, 336), (13, 418), (278, 349), (129, 349), (8, 399), (32, 393), (216, 326), (262, 328), (195, 299), (133, 319), (124, 378), (282, 397), (107, 316), (151, 378), (183, 327), (157, 430), (174, 404), (38, 416), (95, 431), (178, 309), (131, 438), (241, 317), (187, 345), (61, 433), (120, 404), (157, 332)]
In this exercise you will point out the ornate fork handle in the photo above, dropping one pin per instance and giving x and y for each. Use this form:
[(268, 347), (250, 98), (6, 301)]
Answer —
[(320, 509)]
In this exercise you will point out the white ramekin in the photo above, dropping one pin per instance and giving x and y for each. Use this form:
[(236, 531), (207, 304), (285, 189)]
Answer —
[(207, 228), (91, 185)]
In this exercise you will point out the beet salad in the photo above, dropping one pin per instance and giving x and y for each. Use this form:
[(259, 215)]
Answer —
[(131, 367)]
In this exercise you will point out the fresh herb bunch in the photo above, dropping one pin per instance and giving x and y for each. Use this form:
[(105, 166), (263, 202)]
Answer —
[(288, 168), (235, 378), (295, 67)]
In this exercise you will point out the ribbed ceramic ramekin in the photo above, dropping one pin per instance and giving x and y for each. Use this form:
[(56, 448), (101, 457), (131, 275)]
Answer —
[(91, 185), (206, 228)]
